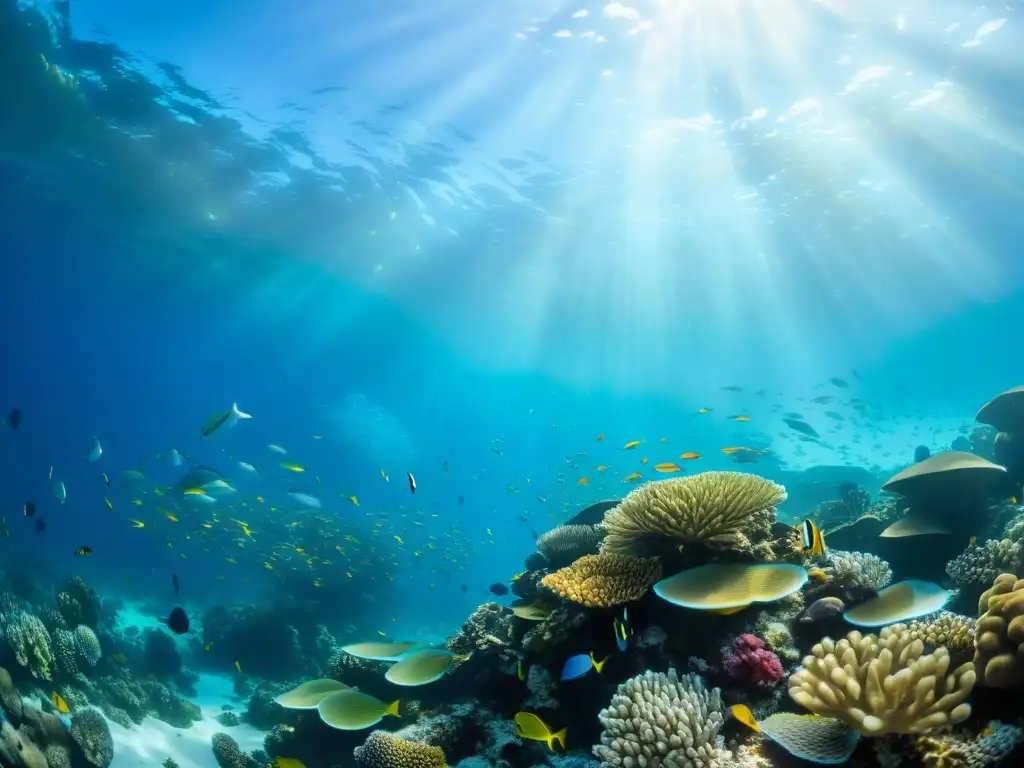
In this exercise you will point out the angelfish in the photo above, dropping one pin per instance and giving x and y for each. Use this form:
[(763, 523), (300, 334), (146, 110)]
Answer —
[(96, 451)]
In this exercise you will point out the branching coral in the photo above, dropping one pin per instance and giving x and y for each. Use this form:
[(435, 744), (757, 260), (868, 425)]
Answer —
[(858, 569), (561, 545), (981, 563), (656, 720), (883, 684), (605, 580), (999, 635), (30, 642), (710, 507), (382, 750), (952, 630)]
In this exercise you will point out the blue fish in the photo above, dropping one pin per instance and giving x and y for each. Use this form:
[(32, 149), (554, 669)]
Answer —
[(622, 630), (579, 665)]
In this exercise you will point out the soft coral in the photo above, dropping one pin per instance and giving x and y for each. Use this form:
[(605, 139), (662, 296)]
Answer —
[(748, 660)]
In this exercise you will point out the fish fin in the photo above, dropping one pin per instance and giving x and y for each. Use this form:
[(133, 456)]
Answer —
[(559, 737), (392, 709), (239, 414), (598, 665)]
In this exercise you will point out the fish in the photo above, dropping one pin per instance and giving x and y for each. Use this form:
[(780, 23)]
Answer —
[(287, 762), (60, 491), (531, 612), (110, 504), (13, 418), (106, 480), (177, 621), (632, 477), (353, 710), (412, 482), (643, 460), (740, 418), (668, 466), (176, 457), (354, 500), (529, 726), (600, 437), (621, 630), (631, 445), (742, 713), (601, 468), (83, 552), (579, 665), (812, 541), (275, 448), (520, 670), (245, 466), (137, 523), (238, 666), (802, 427), (119, 657), (689, 456), (291, 467), (223, 420), (385, 476), (841, 383), (817, 574), (306, 500), (59, 703), (704, 410), (96, 451), (30, 509), (583, 481), (498, 589)]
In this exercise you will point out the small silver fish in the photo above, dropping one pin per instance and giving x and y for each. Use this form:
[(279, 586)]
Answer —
[(60, 491)]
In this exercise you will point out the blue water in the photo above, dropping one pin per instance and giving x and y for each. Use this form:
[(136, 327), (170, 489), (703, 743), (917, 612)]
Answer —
[(430, 234)]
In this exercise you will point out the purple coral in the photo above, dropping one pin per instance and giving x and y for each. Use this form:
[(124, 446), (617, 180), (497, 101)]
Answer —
[(747, 660)]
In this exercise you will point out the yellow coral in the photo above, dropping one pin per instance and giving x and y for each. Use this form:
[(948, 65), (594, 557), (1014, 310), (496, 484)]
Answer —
[(710, 507), (601, 581), (999, 636), (382, 750), (883, 684), (949, 629)]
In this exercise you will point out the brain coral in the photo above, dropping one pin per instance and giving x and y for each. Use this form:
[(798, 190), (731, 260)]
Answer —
[(382, 750), (656, 720), (999, 635), (710, 507), (605, 580), (30, 642), (87, 645), (883, 684), (64, 652), (561, 545)]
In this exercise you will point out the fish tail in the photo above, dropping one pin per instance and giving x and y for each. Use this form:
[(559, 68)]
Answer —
[(559, 737), (393, 709), (239, 414)]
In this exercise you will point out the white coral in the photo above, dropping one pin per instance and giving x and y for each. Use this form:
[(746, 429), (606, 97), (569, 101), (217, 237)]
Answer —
[(859, 569), (658, 719)]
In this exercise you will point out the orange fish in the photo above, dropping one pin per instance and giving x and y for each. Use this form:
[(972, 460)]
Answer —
[(740, 418), (583, 481), (732, 450), (667, 467), (631, 445), (633, 477), (601, 467), (689, 456)]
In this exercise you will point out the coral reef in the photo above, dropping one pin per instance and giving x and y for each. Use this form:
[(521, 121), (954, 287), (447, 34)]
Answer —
[(858, 570), (980, 564), (999, 634), (658, 719), (566, 543), (28, 638), (382, 750), (87, 646), (952, 630), (777, 637), (748, 661), (79, 604), (966, 751), (883, 684), (279, 654), (228, 754), (605, 580), (563, 622), (489, 627), (710, 507), (91, 735)]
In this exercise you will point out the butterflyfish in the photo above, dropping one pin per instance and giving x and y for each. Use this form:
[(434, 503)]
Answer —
[(529, 726), (812, 541)]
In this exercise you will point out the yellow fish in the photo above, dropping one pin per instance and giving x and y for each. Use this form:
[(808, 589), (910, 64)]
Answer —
[(194, 492), (812, 541), (740, 418), (583, 481), (170, 517), (399, 539), (631, 445), (704, 410), (268, 566), (600, 437), (287, 762), (633, 477), (385, 475), (137, 502), (354, 500), (137, 523), (667, 467), (817, 574), (689, 456), (238, 666), (601, 467), (529, 726), (207, 647), (292, 467), (119, 657), (110, 504), (106, 480), (742, 713), (59, 703)]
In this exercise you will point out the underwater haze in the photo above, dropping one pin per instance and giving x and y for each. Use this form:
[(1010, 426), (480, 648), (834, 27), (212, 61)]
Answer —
[(318, 317)]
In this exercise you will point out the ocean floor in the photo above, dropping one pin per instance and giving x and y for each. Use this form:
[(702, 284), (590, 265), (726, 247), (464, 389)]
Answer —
[(152, 742)]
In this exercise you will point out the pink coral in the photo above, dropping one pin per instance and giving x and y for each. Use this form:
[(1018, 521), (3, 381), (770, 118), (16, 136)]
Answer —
[(748, 660)]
